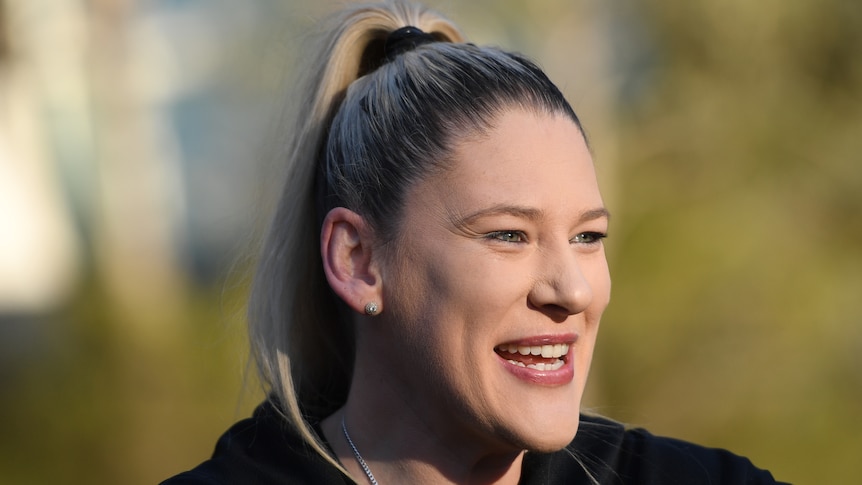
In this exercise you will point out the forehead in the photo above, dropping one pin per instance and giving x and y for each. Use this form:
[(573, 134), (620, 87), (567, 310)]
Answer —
[(539, 160)]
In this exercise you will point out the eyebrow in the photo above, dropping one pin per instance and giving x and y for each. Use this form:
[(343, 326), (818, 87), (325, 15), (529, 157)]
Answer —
[(528, 213), (593, 214)]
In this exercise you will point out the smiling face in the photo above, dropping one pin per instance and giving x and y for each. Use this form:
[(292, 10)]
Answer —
[(499, 258)]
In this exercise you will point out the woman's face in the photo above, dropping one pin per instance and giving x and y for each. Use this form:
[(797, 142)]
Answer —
[(497, 257)]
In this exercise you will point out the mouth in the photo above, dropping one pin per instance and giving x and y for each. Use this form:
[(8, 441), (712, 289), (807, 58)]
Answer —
[(548, 357)]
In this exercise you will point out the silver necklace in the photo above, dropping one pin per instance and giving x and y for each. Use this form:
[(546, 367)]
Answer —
[(357, 455)]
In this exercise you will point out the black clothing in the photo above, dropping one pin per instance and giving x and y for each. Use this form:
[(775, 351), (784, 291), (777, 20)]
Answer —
[(263, 450)]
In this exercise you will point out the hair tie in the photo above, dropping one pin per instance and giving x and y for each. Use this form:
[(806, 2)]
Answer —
[(403, 40)]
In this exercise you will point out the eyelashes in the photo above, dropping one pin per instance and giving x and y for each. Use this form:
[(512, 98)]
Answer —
[(516, 236), (589, 237), (508, 236)]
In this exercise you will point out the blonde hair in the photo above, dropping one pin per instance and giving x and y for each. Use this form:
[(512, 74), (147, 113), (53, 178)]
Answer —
[(368, 128)]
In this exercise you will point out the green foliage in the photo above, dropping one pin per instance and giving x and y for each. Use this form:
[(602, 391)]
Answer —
[(737, 250), (96, 403)]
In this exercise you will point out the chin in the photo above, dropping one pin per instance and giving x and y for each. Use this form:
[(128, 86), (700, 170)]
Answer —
[(555, 425), (553, 436), (553, 443)]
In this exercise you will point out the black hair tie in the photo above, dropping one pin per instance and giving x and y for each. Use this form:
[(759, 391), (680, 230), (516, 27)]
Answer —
[(403, 40)]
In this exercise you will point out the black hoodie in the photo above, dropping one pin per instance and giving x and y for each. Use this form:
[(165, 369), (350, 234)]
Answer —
[(263, 450)]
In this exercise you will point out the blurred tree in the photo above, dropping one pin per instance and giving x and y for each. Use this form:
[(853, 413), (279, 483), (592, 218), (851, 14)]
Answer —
[(737, 248)]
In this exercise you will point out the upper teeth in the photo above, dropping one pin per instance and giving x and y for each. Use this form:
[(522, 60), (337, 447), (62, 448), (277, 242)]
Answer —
[(546, 351)]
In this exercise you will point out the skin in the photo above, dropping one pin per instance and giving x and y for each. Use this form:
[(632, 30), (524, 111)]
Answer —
[(503, 247)]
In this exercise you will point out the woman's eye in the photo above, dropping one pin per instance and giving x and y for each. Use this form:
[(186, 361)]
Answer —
[(589, 237), (508, 236)]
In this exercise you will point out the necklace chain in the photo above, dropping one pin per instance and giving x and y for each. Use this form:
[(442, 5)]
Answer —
[(357, 455)]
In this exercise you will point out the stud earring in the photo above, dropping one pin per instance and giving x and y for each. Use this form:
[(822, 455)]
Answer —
[(371, 308)]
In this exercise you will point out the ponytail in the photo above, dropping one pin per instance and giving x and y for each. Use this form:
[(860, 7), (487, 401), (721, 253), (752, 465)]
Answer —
[(302, 347)]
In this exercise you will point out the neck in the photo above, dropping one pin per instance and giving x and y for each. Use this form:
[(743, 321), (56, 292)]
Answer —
[(401, 445), (391, 458)]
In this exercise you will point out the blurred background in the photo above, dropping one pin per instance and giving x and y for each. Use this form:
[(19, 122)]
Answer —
[(136, 168)]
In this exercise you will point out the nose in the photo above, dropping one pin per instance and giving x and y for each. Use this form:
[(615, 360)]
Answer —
[(561, 288)]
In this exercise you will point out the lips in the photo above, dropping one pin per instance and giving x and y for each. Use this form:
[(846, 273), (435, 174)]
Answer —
[(541, 360), (537, 357)]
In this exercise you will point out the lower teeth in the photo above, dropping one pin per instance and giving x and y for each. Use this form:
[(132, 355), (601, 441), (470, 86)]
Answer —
[(556, 365)]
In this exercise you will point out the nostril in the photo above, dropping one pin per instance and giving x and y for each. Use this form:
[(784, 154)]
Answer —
[(555, 312)]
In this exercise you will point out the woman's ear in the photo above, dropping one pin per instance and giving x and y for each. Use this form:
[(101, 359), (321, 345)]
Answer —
[(346, 246)]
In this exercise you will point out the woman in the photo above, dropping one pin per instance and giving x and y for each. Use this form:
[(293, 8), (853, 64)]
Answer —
[(431, 287)]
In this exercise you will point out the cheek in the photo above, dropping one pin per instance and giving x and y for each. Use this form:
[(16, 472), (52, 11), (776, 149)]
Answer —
[(415, 294), (477, 286), (445, 298)]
